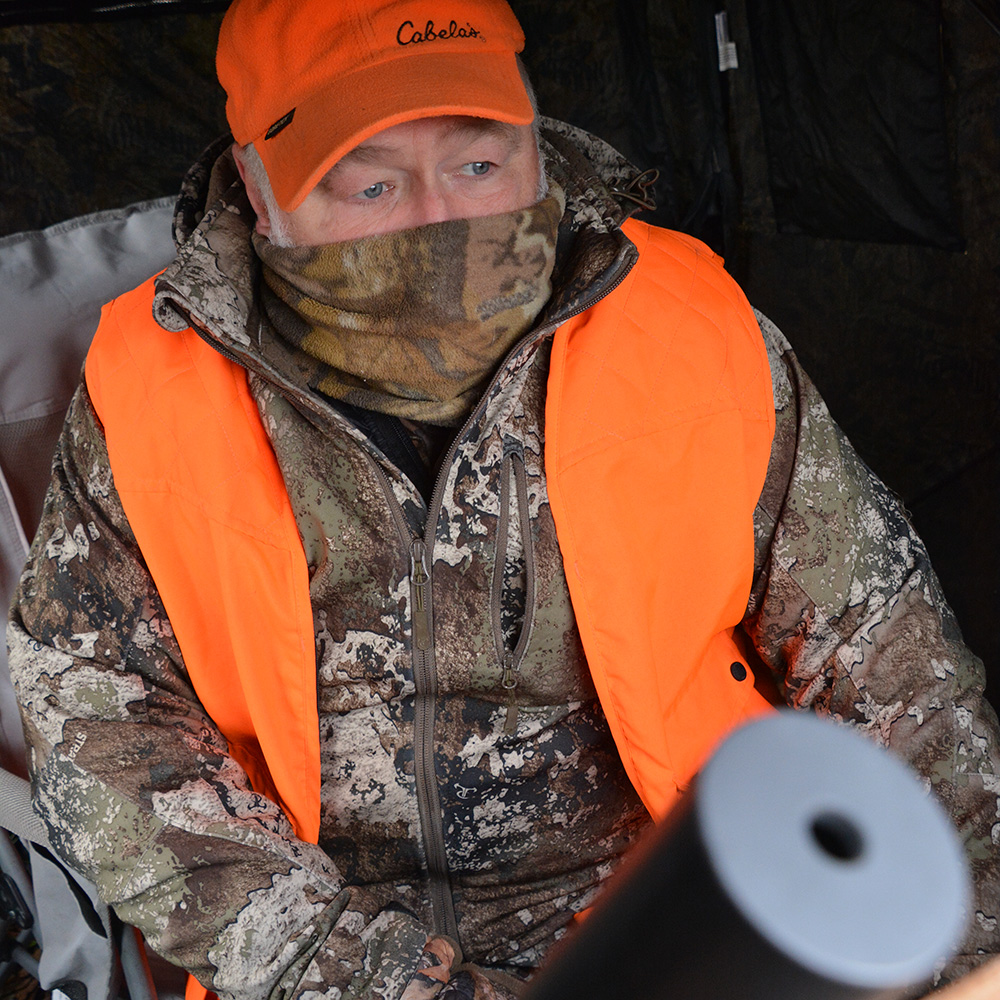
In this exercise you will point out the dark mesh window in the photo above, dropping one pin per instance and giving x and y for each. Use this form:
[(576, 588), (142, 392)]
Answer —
[(852, 101)]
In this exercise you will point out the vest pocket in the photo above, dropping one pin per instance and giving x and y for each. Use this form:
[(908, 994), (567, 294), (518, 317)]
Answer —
[(512, 595)]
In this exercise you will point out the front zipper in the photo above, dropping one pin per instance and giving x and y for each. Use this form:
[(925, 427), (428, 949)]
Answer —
[(510, 653), (429, 810), (420, 583), (425, 772), (424, 670)]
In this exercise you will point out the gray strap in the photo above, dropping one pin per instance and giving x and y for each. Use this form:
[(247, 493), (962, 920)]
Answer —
[(16, 813)]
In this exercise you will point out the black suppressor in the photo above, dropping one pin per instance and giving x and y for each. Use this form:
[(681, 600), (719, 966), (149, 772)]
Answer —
[(805, 863)]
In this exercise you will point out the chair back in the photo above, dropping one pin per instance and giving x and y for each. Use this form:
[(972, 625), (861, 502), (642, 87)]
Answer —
[(53, 283)]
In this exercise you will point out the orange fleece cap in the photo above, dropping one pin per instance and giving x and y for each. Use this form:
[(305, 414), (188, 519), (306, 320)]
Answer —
[(308, 80)]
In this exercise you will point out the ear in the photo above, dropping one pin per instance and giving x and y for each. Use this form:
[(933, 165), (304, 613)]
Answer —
[(257, 202)]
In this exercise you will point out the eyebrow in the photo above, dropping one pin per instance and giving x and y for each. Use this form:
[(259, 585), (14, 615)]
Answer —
[(460, 127), (473, 128)]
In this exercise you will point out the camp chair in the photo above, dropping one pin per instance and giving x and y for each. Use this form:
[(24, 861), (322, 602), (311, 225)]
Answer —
[(52, 285)]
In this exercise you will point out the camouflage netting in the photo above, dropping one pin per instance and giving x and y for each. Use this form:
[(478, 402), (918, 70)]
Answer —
[(97, 115), (902, 339)]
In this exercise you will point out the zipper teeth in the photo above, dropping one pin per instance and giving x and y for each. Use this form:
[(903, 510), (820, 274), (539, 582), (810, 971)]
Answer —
[(500, 560), (511, 660), (425, 682), (528, 624), (513, 465), (428, 800), (397, 511)]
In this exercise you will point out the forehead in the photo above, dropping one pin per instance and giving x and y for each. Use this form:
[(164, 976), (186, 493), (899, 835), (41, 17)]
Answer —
[(448, 131)]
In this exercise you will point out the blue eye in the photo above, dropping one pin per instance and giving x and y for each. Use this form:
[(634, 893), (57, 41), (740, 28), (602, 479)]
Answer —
[(480, 167), (374, 191)]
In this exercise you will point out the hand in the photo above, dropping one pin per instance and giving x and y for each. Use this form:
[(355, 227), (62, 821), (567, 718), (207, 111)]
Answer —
[(433, 971), (462, 986), (468, 983), (440, 977)]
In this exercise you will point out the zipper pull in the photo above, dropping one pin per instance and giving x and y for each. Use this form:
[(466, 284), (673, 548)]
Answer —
[(420, 579), (508, 682)]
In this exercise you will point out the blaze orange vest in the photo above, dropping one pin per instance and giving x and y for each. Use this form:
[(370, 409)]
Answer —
[(659, 418)]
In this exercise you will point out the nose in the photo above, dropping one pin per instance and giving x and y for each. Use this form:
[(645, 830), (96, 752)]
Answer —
[(435, 203)]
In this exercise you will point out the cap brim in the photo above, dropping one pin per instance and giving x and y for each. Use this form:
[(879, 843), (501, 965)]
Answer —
[(336, 119)]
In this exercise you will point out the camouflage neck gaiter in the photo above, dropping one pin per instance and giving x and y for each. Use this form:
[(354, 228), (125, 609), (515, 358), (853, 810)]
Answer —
[(412, 323)]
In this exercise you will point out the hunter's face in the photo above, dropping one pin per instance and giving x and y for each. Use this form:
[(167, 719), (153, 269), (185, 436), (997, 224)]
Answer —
[(419, 172)]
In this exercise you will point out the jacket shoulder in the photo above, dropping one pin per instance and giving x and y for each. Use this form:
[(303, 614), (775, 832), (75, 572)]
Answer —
[(674, 341), (132, 358), (686, 268), (132, 310), (178, 415)]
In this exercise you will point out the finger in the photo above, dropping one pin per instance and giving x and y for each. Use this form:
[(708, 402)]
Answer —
[(461, 986)]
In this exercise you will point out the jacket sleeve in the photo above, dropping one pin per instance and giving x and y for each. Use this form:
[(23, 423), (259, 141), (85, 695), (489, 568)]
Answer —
[(140, 793), (850, 617)]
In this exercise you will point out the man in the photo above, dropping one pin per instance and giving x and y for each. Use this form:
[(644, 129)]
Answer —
[(418, 532)]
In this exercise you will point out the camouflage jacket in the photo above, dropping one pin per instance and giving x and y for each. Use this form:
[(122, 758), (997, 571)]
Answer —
[(468, 813)]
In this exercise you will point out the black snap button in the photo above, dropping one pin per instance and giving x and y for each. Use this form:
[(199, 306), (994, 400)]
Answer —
[(738, 671)]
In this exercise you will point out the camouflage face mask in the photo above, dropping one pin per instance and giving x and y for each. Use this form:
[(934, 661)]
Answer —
[(413, 323)]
